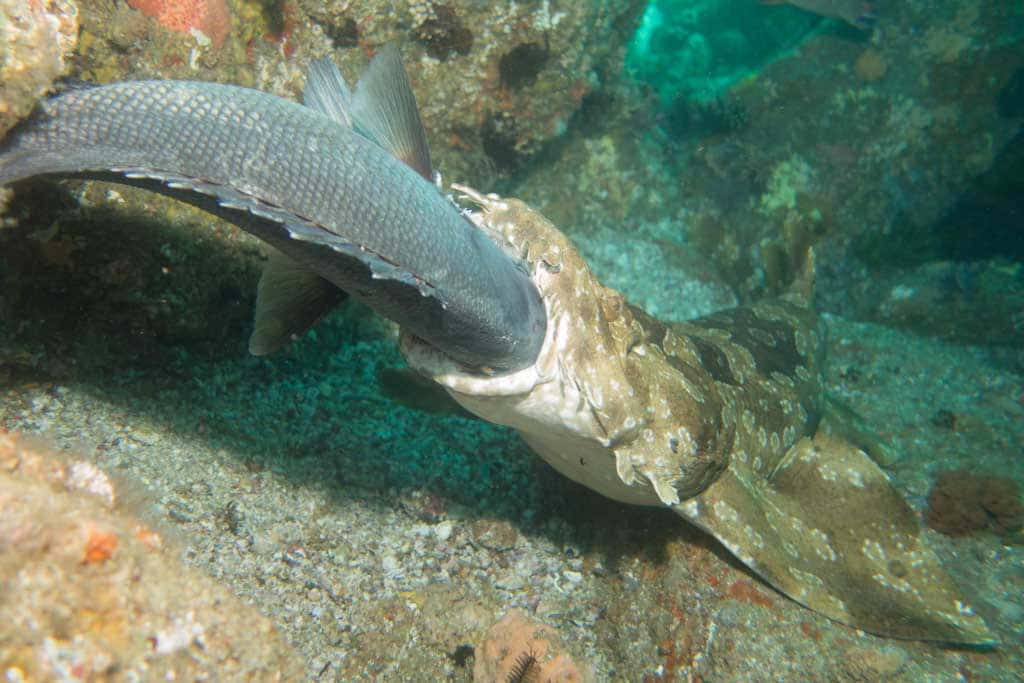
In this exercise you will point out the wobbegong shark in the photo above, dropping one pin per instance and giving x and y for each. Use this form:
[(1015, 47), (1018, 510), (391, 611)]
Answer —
[(717, 419)]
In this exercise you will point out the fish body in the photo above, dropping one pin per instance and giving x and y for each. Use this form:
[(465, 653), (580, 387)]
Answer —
[(334, 201), (857, 13), (717, 419)]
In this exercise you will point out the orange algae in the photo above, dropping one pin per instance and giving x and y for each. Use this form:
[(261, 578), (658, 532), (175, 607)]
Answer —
[(744, 591), (211, 17), (99, 547)]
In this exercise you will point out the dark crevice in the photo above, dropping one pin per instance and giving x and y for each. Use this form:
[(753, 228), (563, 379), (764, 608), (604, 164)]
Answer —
[(520, 67)]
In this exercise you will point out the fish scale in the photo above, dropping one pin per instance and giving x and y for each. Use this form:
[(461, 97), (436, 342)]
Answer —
[(310, 187)]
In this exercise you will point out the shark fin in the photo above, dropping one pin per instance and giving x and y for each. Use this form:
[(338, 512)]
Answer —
[(290, 299), (826, 528)]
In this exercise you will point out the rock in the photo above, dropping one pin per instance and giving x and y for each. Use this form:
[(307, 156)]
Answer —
[(518, 648), (494, 81), (35, 38), (91, 588)]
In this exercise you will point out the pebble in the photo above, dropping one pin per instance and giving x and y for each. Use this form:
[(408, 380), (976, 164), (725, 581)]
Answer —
[(443, 530), (575, 578)]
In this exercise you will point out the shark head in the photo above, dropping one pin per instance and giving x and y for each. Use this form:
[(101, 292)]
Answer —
[(585, 395), (718, 419)]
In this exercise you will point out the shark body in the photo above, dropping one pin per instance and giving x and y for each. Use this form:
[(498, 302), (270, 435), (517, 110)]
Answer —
[(717, 419)]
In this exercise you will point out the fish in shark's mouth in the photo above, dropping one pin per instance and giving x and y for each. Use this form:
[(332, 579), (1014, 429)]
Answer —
[(342, 188), (716, 418)]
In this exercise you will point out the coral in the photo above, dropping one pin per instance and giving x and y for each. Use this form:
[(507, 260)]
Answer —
[(212, 18), (35, 38), (518, 648), (962, 502)]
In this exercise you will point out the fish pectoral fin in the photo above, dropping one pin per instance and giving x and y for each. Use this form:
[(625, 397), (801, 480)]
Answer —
[(829, 531), (290, 299)]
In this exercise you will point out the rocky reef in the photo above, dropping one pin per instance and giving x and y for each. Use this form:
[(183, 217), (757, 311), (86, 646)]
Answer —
[(92, 590), (36, 39)]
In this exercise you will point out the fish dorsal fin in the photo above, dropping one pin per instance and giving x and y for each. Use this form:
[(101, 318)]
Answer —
[(327, 92), (290, 299), (384, 110)]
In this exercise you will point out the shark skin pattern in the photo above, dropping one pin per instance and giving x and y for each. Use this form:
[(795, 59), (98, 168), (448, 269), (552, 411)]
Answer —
[(716, 419)]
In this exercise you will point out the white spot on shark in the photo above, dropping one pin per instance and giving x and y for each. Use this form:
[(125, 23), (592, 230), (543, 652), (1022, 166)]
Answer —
[(726, 512), (963, 608), (827, 472), (855, 477), (895, 584), (822, 545), (738, 552), (873, 550)]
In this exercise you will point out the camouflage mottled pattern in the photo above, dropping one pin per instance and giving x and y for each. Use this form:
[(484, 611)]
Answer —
[(715, 418)]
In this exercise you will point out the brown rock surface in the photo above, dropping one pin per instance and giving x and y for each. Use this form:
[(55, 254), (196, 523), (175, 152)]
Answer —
[(89, 589), (518, 648)]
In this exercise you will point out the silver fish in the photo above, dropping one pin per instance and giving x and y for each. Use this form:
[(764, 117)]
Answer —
[(341, 187)]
